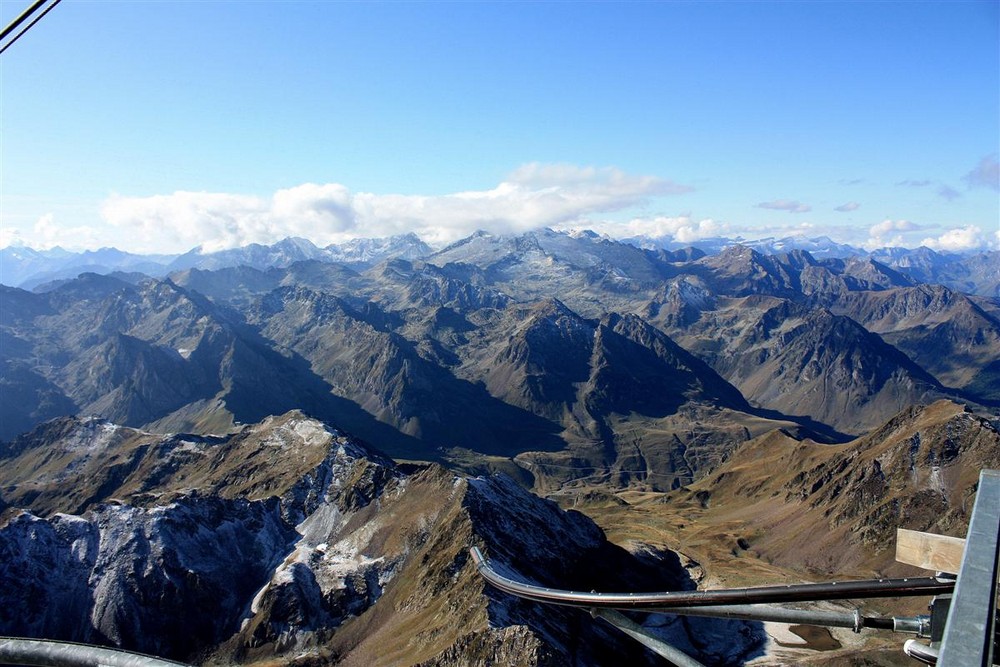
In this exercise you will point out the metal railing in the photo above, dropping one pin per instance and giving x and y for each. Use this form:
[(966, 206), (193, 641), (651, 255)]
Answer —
[(966, 638), (49, 653)]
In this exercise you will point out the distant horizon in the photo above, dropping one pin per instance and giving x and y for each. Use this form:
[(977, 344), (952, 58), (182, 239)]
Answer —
[(705, 244)]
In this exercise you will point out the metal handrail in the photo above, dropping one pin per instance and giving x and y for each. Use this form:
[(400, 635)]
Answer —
[(666, 601), (51, 653)]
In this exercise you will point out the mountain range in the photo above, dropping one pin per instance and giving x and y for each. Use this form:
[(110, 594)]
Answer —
[(554, 356), (290, 542), (22, 266)]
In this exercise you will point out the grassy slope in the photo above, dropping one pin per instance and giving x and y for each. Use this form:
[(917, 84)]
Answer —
[(781, 510)]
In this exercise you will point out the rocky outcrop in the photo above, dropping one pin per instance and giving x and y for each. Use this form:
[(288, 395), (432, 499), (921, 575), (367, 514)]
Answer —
[(291, 541)]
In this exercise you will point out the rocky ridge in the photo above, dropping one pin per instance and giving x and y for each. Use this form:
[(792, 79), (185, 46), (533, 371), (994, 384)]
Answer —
[(290, 541)]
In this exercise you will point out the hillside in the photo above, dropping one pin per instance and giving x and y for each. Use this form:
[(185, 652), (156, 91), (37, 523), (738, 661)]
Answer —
[(782, 509)]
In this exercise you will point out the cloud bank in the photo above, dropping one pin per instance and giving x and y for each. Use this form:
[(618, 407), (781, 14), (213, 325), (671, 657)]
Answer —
[(962, 239), (682, 228), (789, 205), (907, 234), (890, 233), (534, 195)]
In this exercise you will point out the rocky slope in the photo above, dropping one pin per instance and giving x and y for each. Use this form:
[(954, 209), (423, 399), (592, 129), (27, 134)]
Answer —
[(946, 332), (801, 361), (918, 471), (290, 542)]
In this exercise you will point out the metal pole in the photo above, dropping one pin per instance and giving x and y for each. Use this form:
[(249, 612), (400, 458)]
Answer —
[(970, 630), (27, 27), (918, 625), (922, 652), (644, 637), (22, 18)]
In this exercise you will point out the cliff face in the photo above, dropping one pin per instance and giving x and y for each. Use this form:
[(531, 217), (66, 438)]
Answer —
[(290, 541), (167, 581)]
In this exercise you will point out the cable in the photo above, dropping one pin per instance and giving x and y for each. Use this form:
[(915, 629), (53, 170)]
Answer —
[(16, 22), (20, 19)]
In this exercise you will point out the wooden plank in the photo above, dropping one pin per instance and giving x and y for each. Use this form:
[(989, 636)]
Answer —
[(929, 551)]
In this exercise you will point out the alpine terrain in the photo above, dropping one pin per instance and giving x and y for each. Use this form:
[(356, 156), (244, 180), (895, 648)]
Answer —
[(282, 454)]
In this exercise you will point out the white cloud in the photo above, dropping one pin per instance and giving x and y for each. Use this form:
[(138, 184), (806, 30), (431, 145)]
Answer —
[(47, 233), (182, 220), (534, 195), (890, 233), (986, 174), (310, 205), (606, 181), (10, 237), (681, 229), (848, 207), (789, 205), (960, 239), (890, 226)]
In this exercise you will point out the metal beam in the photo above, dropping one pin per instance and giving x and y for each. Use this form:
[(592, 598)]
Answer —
[(637, 632), (970, 630), (855, 620)]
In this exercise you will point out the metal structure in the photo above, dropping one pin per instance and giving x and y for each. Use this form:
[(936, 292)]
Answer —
[(671, 600), (641, 635), (968, 636), (734, 603), (46, 653), (962, 628)]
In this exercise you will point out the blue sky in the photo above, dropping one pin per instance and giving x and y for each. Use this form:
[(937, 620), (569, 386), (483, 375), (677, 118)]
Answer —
[(158, 126)]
